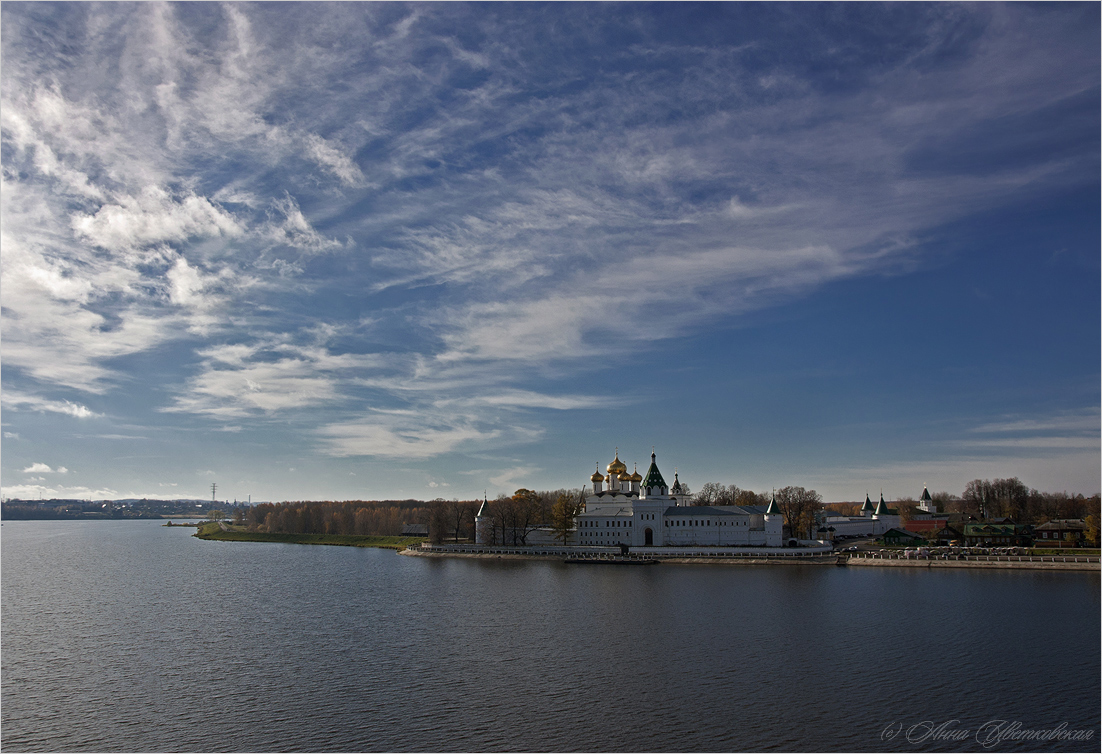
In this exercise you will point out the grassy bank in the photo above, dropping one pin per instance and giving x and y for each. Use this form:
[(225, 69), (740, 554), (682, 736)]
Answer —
[(233, 534)]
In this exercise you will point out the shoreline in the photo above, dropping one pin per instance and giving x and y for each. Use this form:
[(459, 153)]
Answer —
[(410, 546), (1013, 565), (218, 533), (820, 560)]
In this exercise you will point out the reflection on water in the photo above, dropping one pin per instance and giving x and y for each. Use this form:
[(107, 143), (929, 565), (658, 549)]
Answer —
[(131, 636)]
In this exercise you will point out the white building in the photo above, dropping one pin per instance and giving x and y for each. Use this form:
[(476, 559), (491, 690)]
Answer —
[(926, 503), (873, 521), (643, 512)]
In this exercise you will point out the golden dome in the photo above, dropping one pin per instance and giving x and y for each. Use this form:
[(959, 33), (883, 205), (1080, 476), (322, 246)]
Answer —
[(636, 476), (617, 467), (597, 475)]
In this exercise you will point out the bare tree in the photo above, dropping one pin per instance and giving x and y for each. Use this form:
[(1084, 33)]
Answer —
[(500, 517), (438, 520), (461, 515), (798, 506), (712, 493)]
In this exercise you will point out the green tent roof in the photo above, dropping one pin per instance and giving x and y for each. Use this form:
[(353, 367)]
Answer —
[(654, 476), (773, 509)]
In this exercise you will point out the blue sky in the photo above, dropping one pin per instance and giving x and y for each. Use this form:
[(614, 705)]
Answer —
[(364, 251)]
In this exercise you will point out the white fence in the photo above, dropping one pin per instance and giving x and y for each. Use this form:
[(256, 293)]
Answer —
[(649, 552), (978, 558)]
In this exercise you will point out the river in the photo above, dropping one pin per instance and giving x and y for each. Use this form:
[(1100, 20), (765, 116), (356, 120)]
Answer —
[(130, 636)]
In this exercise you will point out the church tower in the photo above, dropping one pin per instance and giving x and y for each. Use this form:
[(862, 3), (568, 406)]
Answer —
[(653, 484)]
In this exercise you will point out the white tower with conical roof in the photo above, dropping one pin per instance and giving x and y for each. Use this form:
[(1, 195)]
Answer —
[(926, 502), (483, 524), (774, 523)]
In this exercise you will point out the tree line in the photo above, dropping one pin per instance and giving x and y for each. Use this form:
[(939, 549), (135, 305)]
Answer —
[(798, 506), (1009, 498), (383, 518), (511, 519)]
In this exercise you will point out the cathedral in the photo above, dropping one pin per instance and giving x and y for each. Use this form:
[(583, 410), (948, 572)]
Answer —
[(642, 511)]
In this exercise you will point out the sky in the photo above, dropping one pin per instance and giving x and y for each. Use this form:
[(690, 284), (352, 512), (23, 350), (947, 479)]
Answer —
[(377, 251)]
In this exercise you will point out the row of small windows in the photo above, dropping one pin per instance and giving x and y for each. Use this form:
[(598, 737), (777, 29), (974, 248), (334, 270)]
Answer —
[(704, 522), (650, 517)]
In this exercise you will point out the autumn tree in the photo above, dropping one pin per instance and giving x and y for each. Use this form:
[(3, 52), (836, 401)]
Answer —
[(1092, 531), (563, 513), (523, 515), (843, 509), (907, 508), (749, 497), (799, 506)]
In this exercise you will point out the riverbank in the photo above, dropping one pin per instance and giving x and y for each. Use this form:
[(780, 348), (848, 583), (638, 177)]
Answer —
[(825, 559), (1003, 564), (413, 546), (672, 558), (222, 533)]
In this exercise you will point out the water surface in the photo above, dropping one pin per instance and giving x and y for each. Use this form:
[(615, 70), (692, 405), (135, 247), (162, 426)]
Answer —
[(129, 636)]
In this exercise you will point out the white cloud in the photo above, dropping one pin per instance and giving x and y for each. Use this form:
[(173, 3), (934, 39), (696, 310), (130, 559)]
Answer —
[(1087, 421), (185, 283), (402, 435), (154, 217), (294, 229), (17, 401), (532, 399), (265, 387), (38, 468), (510, 477), (334, 160), (44, 492), (238, 380)]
